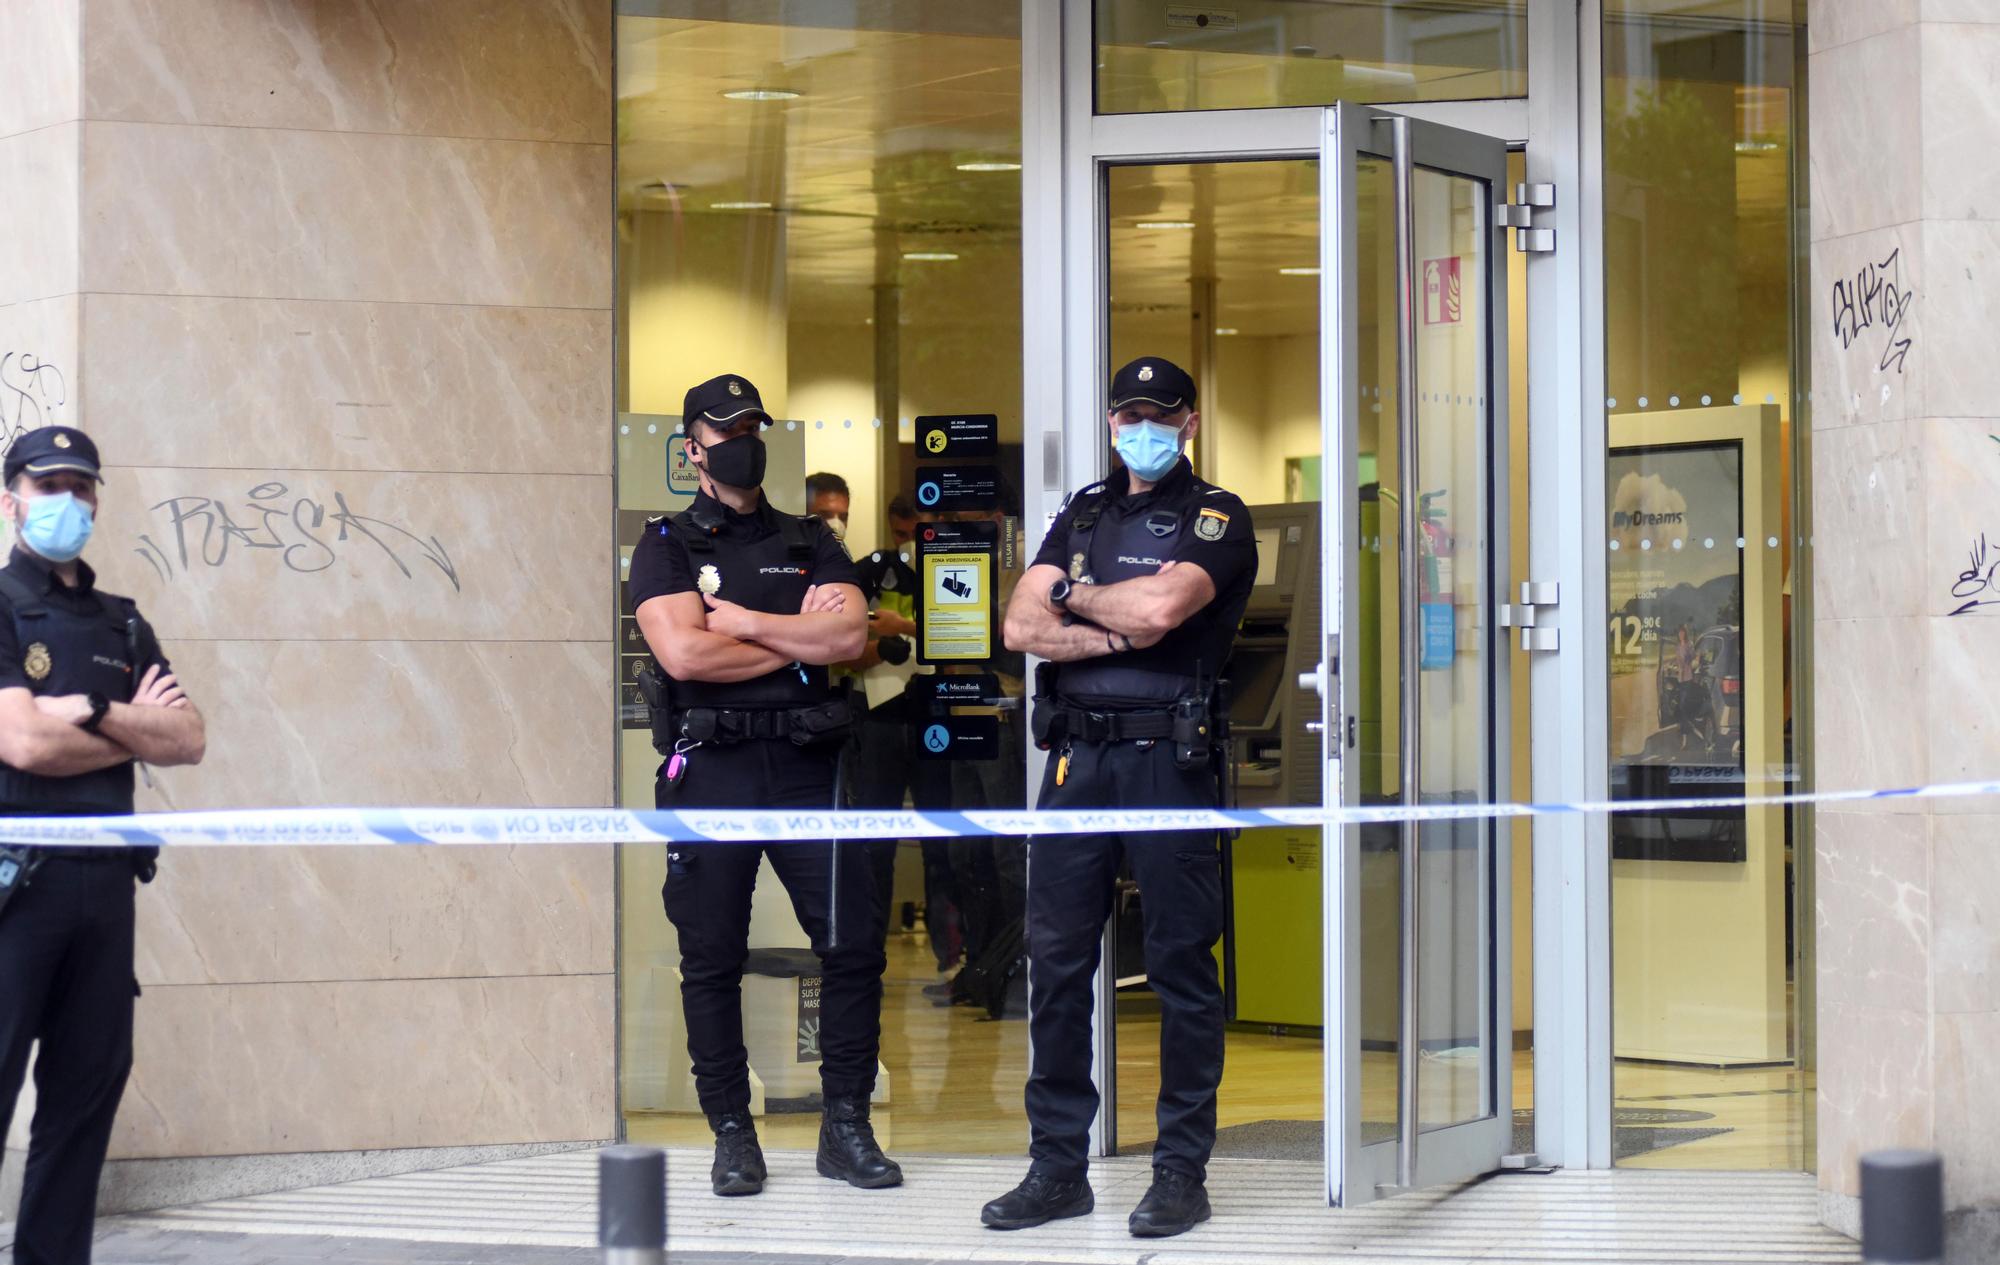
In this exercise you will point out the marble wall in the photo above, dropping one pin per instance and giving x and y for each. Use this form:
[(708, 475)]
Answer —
[(1905, 117), (331, 284)]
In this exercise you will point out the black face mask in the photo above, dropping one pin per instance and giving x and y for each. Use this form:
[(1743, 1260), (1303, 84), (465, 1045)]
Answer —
[(737, 462)]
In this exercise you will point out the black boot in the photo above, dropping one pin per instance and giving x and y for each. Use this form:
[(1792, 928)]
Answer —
[(739, 1161), (1037, 1199), (847, 1148), (1175, 1204)]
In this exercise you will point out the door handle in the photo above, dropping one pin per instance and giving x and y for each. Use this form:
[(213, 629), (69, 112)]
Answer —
[(1314, 680), (1315, 726)]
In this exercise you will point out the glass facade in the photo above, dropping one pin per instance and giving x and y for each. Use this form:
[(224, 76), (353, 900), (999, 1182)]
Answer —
[(1704, 371), (1263, 53), (834, 212)]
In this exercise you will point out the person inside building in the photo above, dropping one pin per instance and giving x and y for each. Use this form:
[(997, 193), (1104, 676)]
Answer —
[(85, 693), (828, 499), (1133, 601), (743, 607)]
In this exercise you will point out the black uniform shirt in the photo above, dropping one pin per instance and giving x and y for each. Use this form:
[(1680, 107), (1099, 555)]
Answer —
[(1211, 529), (86, 650), (752, 570)]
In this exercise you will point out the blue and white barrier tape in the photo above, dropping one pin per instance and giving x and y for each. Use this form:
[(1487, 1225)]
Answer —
[(350, 827)]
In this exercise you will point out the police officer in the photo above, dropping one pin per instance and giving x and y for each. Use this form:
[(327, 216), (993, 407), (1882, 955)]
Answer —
[(84, 691), (743, 607), (1134, 601)]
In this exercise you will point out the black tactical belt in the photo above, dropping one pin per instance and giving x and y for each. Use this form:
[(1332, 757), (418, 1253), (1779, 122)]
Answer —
[(802, 725), (1086, 726)]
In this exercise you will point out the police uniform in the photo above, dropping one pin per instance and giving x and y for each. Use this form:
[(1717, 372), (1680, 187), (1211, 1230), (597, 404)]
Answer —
[(1109, 728), (761, 743), (66, 934)]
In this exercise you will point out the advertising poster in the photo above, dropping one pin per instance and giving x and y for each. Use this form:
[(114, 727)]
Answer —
[(1676, 648)]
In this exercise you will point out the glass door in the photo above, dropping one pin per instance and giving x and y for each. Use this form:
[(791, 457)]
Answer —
[(1413, 367)]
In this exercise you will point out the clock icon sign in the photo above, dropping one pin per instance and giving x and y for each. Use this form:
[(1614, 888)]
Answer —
[(929, 493)]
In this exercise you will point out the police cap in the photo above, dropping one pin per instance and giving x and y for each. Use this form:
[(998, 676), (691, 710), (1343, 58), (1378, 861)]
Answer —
[(48, 449), (1152, 380), (721, 400)]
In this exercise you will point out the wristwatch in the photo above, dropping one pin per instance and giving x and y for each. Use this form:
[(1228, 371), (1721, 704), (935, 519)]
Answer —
[(99, 705), (1059, 592)]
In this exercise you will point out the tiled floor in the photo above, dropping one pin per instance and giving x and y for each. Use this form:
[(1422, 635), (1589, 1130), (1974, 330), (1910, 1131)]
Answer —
[(1266, 1211)]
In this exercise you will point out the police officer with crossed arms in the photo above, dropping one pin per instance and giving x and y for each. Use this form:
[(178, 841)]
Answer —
[(1133, 602), (84, 692), (743, 607)]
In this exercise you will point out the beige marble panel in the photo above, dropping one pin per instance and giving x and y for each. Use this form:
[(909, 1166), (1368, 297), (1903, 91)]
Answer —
[(1831, 23), (1962, 710), (38, 231), (1962, 265), (1875, 1087), (257, 213), (41, 63), (1869, 520), (38, 365), (528, 69), (258, 554), (1984, 11), (1865, 92), (1873, 914), (1961, 564), (233, 916), (295, 384), (1961, 116), (301, 723), (1966, 907), (252, 1069), (1870, 685), (1871, 361), (1968, 1109)]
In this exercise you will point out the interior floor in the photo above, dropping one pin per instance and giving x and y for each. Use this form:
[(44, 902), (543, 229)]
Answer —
[(955, 1079)]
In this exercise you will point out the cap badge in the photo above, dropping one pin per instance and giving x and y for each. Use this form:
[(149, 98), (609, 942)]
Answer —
[(60, 440), (735, 388), (709, 581), (1145, 373), (37, 662)]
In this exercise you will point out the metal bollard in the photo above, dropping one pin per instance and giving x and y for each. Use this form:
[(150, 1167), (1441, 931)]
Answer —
[(632, 1205), (1902, 1208)]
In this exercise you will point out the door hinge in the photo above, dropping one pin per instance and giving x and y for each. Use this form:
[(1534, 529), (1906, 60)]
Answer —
[(1536, 597), (1519, 216)]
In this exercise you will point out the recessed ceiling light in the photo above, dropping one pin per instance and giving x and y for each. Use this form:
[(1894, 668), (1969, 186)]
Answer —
[(1166, 224), (739, 206), (929, 256), (1225, 331), (1298, 272), (763, 94), (989, 166)]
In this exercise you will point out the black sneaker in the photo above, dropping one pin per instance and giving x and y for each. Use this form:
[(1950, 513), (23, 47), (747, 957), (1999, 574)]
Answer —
[(1175, 1204), (739, 1161), (1038, 1199)]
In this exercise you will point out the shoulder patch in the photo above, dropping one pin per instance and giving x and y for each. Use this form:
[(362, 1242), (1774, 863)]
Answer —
[(1211, 523)]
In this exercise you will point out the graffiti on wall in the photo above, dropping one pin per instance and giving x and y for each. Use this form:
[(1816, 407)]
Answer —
[(302, 534), (1874, 301), (33, 393)]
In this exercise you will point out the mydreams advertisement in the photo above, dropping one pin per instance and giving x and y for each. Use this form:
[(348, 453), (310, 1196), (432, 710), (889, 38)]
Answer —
[(1676, 641)]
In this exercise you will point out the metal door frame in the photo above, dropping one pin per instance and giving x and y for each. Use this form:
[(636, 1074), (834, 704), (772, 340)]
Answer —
[(1560, 123)]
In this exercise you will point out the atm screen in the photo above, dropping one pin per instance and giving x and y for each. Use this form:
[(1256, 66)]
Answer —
[(1254, 679), (1267, 555)]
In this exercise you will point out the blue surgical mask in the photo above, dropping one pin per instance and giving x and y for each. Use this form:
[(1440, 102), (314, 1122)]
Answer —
[(1148, 449), (56, 526)]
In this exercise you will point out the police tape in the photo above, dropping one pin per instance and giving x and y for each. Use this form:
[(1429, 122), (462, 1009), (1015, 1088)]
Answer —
[(368, 827)]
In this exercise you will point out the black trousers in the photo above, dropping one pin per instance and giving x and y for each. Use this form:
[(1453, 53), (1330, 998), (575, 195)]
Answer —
[(1070, 882), (66, 980), (707, 897)]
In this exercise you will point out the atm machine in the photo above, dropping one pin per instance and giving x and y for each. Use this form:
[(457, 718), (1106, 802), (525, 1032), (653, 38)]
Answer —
[(1271, 943)]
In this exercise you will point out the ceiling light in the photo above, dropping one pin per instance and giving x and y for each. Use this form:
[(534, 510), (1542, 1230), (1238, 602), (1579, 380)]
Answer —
[(1166, 224), (1225, 331), (989, 166), (1298, 272), (739, 206), (929, 256), (762, 94)]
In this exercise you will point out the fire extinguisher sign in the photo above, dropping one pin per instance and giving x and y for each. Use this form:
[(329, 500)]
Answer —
[(1441, 291)]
